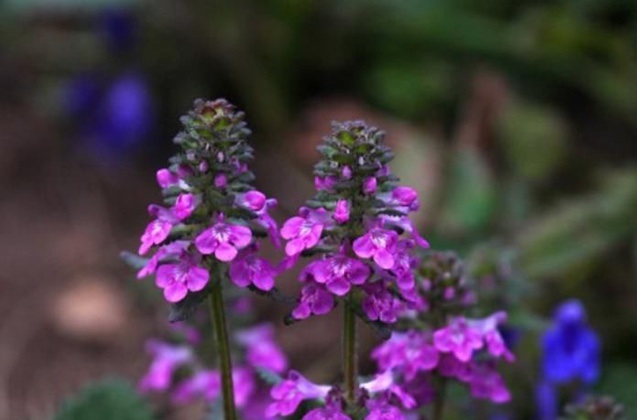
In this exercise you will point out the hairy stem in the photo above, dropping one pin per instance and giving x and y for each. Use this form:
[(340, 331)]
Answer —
[(349, 354), (218, 318)]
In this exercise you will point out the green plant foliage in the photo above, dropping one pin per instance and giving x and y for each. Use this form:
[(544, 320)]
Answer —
[(526, 129), (582, 230), (111, 399)]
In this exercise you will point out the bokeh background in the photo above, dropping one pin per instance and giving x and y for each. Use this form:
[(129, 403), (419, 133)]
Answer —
[(516, 122)]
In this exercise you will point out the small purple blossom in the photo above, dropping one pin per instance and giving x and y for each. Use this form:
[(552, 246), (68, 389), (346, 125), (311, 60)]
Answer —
[(458, 338), (380, 304), (223, 240), (184, 206), (167, 251), (262, 350), (304, 231), (315, 300), (379, 244), (243, 384), (341, 211), (176, 279), (289, 393), (339, 273), (486, 383), (324, 183), (158, 230), (381, 409), (409, 353), (166, 359), (488, 327), (370, 185), (206, 383), (166, 178), (248, 268)]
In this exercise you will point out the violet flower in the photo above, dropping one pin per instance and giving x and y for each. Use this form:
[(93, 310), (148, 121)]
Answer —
[(458, 338), (167, 359), (289, 393)]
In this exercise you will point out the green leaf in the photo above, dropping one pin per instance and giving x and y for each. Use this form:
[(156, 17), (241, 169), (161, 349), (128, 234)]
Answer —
[(107, 400), (133, 260)]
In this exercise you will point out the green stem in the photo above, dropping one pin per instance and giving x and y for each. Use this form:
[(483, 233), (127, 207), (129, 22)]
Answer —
[(439, 401), (349, 354), (218, 318)]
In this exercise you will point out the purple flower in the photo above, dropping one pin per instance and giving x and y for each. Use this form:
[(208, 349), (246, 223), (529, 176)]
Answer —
[(252, 200), (339, 272), (170, 250), (405, 196), (224, 240), (458, 338), (379, 244), (341, 212), (166, 359), (206, 383), (488, 327), (256, 202), (384, 383), (289, 393), (404, 265), (380, 304), (243, 384), (370, 185), (314, 300), (405, 224), (381, 409), (221, 181), (262, 351), (166, 178), (158, 230), (304, 231), (178, 278), (184, 206), (248, 268), (324, 183), (408, 353), (486, 383)]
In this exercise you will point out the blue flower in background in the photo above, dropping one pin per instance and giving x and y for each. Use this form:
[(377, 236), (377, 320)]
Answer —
[(571, 353), (114, 118)]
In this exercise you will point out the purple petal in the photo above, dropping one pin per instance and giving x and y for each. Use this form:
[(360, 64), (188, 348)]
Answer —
[(240, 236), (364, 247), (175, 292), (292, 227), (384, 259), (197, 278), (206, 243), (225, 252)]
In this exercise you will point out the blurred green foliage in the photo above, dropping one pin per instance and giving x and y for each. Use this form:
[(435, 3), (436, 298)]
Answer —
[(107, 400)]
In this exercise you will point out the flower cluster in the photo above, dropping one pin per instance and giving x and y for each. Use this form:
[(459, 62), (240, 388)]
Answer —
[(357, 228), (438, 342), (570, 354), (381, 397), (177, 369), (212, 214), (465, 350)]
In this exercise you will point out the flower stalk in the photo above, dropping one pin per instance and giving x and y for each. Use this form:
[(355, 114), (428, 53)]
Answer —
[(350, 366), (218, 319)]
